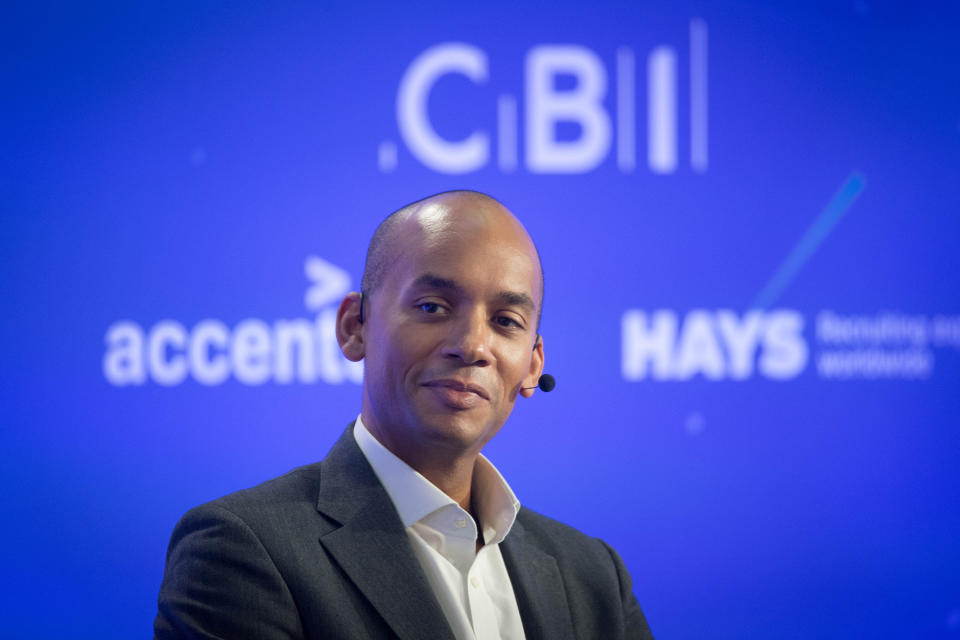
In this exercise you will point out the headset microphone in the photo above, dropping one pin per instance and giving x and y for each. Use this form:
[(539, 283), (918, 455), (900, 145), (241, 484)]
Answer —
[(545, 383)]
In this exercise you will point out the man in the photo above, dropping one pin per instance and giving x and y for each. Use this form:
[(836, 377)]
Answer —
[(404, 529)]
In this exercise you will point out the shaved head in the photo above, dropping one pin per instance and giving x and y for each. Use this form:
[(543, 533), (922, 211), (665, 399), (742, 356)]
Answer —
[(447, 208)]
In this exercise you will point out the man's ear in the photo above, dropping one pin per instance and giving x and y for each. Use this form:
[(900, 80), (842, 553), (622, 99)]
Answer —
[(536, 368), (350, 327)]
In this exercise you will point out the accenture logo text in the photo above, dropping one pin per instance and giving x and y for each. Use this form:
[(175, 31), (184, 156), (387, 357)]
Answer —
[(253, 352), (549, 103)]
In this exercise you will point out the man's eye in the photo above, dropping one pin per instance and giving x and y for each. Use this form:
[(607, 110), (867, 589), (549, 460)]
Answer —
[(508, 322), (429, 307)]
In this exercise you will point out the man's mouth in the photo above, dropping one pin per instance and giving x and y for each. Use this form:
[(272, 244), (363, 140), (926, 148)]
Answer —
[(458, 386)]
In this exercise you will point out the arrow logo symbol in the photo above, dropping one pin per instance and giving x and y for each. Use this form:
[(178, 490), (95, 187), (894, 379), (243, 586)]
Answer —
[(328, 282)]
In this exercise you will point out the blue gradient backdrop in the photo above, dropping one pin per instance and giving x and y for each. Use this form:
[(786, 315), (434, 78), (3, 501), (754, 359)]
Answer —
[(181, 162)]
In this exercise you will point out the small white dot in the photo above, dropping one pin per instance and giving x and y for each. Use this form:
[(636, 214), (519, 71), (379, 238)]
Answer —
[(475, 582), (694, 424), (387, 156)]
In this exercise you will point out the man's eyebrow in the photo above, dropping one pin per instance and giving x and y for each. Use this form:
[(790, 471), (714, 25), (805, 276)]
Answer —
[(431, 281), (517, 299)]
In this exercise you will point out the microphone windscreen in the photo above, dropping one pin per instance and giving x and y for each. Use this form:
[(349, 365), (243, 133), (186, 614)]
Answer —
[(547, 382)]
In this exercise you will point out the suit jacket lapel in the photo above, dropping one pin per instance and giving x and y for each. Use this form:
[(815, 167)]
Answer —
[(372, 547), (538, 587)]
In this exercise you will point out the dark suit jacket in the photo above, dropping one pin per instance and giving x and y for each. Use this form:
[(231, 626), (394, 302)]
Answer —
[(321, 553)]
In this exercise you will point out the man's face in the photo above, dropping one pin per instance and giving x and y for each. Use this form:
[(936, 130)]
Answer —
[(450, 336)]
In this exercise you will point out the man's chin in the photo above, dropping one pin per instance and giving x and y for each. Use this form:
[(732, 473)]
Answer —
[(459, 429)]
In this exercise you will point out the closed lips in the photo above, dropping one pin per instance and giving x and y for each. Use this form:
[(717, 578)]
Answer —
[(457, 385)]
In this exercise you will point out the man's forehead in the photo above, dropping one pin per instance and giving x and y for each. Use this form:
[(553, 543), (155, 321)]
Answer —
[(469, 238), (438, 215), (463, 219), (451, 215)]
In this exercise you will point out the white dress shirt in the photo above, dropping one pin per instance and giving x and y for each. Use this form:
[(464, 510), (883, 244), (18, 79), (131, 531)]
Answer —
[(473, 587)]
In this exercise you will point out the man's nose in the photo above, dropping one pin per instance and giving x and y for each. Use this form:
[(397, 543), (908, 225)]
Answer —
[(469, 340)]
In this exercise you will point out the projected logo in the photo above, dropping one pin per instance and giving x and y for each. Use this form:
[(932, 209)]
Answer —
[(552, 101), (253, 351), (724, 345), (716, 345)]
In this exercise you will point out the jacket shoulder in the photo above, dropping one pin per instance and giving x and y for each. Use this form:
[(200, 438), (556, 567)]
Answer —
[(295, 485), (291, 496), (553, 535), (227, 570)]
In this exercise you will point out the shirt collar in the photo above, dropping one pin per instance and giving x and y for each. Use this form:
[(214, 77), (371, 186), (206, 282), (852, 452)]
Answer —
[(415, 497)]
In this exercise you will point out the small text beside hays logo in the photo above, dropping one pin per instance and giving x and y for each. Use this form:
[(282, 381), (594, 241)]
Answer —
[(253, 351), (546, 106)]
